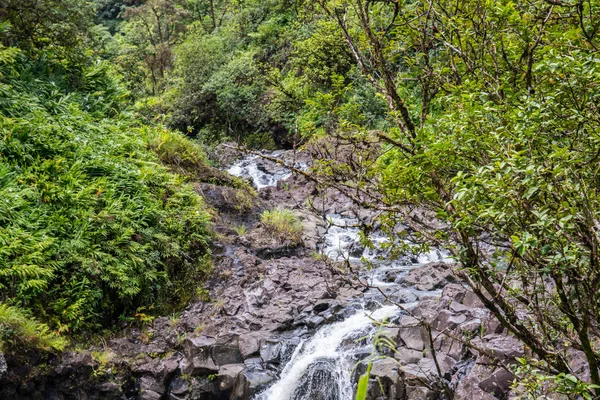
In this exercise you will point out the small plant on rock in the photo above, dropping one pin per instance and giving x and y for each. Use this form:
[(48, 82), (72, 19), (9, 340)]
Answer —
[(282, 223)]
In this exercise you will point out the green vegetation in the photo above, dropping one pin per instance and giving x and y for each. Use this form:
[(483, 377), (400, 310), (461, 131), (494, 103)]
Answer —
[(92, 225), (483, 115), (16, 325), (283, 224)]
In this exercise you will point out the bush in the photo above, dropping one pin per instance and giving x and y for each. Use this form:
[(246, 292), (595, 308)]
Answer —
[(92, 225), (282, 223), (16, 326)]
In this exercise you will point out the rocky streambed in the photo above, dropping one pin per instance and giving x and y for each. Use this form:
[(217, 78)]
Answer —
[(284, 321)]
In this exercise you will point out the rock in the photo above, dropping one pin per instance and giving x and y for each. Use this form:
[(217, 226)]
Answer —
[(468, 389), (198, 356), (459, 308), (270, 351), (3, 366), (446, 320), (498, 383), (228, 375), (204, 388), (410, 334), (227, 350), (429, 277), (149, 395), (504, 347), (471, 300), (249, 345), (420, 393), (315, 321), (148, 383), (386, 380), (407, 356), (455, 292), (250, 382), (178, 389)]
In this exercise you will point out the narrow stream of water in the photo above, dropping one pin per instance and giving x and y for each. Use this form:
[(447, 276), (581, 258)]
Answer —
[(321, 367)]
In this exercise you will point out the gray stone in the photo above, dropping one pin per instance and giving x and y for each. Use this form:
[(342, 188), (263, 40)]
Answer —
[(227, 350), (270, 351), (315, 321), (250, 382), (178, 389), (228, 375), (249, 345), (386, 380), (149, 395), (411, 337), (446, 320), (498, 383), (408, 356)]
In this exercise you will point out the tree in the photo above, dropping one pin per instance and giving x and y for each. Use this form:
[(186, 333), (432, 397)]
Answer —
[(154, 28), (494, 121)]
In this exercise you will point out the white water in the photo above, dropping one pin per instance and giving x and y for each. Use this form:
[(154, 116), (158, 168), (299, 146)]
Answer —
[(326, 345), (320, 368)]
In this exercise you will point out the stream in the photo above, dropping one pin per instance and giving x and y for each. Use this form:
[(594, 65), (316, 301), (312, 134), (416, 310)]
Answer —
[(322, 366)]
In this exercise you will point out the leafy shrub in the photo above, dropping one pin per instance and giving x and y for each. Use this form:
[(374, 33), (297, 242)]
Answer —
[(15, 325), (282, 223), (92, 225)]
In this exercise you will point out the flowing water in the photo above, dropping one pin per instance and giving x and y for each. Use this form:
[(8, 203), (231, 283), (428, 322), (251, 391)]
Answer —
[(320, 368)]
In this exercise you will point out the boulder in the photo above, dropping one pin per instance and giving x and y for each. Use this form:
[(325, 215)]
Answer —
[(446, 320), (250, 382), (498, 383), (178, 389), (199, 360), (408, 356), (228, 375), (429, 277), (386, 380), (410, 333), (249, 344), (227, 350), (270, 351)]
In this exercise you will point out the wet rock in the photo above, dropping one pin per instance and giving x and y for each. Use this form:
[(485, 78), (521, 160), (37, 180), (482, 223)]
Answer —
[(270, 351), (315, 321)]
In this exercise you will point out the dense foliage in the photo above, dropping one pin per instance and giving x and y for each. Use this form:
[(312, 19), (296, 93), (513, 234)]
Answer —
[(493, 130), (479, 115), (92, 225)]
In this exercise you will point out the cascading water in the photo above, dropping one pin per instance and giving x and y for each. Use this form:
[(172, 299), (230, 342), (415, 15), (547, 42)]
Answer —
[(320, 367)]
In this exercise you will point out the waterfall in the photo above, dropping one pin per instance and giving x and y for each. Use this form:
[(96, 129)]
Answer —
[(320, 367)]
